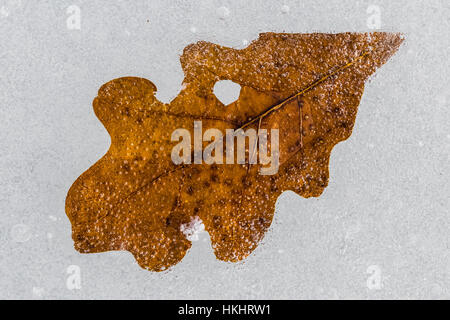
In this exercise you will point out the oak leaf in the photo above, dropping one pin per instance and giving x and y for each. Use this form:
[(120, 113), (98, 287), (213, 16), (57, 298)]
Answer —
[(135, 198)]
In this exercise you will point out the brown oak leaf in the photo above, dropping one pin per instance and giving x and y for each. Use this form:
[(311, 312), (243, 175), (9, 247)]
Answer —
[(135, 198)]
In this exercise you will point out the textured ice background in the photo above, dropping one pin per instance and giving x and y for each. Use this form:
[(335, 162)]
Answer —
[(380, 229)]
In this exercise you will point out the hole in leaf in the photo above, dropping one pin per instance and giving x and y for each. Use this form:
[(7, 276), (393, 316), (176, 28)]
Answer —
[(227, 91)]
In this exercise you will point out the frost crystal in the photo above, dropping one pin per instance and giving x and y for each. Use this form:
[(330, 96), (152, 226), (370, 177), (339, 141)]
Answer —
[(193, 228)]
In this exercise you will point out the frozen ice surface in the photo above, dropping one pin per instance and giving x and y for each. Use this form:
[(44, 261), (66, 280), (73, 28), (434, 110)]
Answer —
[(386, 204), (227, 91), (20, 233)]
